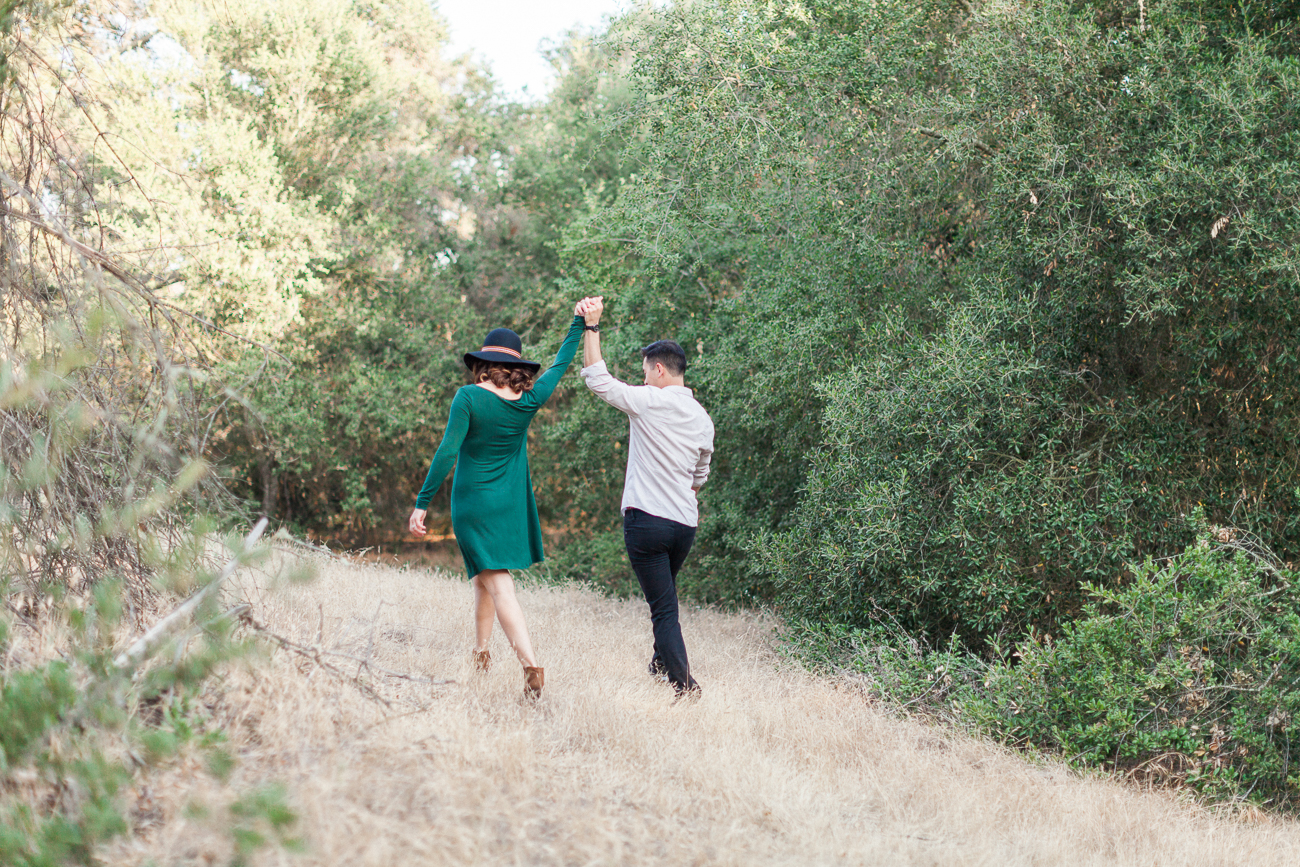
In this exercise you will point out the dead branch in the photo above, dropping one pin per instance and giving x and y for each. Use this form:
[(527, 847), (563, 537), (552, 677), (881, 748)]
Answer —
[(147, 643), (316, 654), (105, 262)]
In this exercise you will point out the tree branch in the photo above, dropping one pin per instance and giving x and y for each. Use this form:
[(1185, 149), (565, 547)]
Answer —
[(103, 261), (148, 643), (935, 134)]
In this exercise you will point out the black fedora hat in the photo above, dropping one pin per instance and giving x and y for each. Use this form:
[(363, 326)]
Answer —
[(502, 346)]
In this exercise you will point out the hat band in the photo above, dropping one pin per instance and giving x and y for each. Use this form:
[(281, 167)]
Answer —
[(507, 350)]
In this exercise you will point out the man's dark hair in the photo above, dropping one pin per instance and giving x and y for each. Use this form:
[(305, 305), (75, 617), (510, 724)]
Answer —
[(669, 353)]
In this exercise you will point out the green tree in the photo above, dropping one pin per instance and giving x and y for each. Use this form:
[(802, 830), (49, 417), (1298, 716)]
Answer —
[(1120, 153), (106, 502)]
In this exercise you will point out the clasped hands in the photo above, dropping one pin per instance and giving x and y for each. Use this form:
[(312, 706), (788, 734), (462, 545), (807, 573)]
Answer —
[(589, 309)]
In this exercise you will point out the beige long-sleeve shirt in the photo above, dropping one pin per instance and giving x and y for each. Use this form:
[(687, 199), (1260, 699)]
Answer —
[(670, 445)]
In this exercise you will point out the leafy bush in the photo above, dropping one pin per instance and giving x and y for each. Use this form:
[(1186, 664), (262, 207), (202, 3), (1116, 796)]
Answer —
[(78, 728), (1010, 280), (600, 561), (893, 669), (76, 731), (962, 488), (1189, 673)]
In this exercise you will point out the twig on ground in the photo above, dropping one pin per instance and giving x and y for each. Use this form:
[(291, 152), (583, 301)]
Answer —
[(388, 672), (292, 542), (316, 654)]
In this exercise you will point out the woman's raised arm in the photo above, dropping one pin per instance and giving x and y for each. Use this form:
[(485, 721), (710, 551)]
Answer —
[(545, 385)]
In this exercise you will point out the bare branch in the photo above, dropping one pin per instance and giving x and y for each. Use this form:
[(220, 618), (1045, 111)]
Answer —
[(316, 654), (147, 643)]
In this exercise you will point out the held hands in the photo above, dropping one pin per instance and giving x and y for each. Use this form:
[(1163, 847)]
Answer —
[(416, 523), (590, 308)]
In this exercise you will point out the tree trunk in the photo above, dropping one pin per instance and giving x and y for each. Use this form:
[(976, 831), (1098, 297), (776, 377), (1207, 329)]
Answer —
[(265, 464)]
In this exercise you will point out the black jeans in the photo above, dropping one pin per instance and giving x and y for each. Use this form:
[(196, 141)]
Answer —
[(657, 548)]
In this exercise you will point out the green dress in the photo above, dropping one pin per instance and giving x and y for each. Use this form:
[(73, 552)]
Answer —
[(493, 512)]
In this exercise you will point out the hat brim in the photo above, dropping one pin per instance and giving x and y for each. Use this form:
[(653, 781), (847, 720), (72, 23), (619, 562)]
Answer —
[(501, 358)]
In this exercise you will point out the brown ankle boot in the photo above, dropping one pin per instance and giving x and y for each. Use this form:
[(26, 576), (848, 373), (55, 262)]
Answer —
[(534, 679), (482, 660)]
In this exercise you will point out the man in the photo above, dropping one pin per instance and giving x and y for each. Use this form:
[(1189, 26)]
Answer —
[(668, 456)]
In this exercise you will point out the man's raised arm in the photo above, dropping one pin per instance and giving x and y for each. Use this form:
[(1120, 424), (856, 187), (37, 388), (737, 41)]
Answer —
[(591, 309), (616, 393)]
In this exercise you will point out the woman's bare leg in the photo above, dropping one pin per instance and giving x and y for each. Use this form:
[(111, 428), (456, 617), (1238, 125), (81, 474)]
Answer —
[(485, 611), (501, 588)]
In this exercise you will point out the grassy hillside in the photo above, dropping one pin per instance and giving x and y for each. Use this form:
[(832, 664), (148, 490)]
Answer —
[(772, 766)]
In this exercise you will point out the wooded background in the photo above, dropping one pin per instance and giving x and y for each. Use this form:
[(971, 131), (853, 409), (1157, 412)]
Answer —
[(990, 301)]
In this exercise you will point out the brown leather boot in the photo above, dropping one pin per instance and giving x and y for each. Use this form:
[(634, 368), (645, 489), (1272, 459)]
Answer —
[(482, 660), (534, 679)]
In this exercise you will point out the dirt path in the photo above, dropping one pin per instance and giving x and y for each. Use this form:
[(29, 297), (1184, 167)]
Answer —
[(771, 766)]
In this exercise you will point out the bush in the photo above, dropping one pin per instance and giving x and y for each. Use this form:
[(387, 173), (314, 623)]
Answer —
[(890, 667), (824, 206), (962, 489), (600, 561), (76, 729), (1189, 673)]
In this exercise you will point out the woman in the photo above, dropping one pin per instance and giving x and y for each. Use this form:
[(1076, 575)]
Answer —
[(493, 512)]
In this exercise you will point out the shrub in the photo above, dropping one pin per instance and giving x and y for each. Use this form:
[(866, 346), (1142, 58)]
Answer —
[(1101, 185), (1189, 673), (76, 728), (99, 519), (600, 561), (962, 489), (891, 668)]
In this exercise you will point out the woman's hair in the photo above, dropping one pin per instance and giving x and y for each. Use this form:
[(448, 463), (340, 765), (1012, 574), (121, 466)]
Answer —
[(511, 376)]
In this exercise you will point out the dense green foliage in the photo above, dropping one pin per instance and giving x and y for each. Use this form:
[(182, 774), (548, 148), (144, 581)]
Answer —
[(986, 301), (1186, 675), (1189, 672), (78, 728)]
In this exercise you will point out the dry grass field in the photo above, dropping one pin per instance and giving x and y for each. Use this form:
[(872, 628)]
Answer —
[(772, 766)]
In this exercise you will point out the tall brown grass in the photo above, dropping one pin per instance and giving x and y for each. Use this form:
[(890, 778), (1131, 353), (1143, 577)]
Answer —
[(772, 766)]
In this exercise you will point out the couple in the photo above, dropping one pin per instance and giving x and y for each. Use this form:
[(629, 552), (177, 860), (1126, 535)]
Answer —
[(493, 512)]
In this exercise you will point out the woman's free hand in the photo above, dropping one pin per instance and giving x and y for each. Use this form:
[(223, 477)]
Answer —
[(417, 521)]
